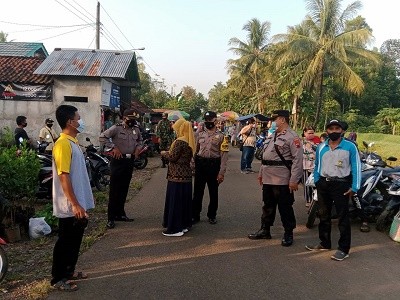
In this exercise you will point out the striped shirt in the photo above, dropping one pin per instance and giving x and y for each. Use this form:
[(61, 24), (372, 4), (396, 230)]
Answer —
[(341, 162)]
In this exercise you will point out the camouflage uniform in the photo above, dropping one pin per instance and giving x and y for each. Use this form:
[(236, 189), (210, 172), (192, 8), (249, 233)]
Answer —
[(166, 135)]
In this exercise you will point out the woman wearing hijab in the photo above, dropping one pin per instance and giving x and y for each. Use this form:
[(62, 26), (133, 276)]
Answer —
[(178, 211)]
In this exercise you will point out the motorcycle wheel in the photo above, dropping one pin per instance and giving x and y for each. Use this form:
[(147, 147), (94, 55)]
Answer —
[(141, 162), (385, 219), (3, 263), (102, 180), (312, 214), (259, 153)]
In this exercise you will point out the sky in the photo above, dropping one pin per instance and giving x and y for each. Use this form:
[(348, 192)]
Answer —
[(186, 41)]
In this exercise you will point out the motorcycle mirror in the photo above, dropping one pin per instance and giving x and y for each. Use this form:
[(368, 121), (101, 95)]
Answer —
[(392, 158), (365, 144), (87, 139)]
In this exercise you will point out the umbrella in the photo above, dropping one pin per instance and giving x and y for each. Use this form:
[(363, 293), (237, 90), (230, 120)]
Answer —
[(230, 115), (174, 115)]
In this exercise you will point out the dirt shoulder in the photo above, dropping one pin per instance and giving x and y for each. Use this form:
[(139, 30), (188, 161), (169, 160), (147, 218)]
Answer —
[(30, 260)]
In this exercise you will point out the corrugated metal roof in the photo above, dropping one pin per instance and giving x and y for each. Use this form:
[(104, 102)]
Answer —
[(22, 49), (87, 63)]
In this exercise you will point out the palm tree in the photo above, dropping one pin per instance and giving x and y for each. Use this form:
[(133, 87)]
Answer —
[(252, 57), (322, 46)]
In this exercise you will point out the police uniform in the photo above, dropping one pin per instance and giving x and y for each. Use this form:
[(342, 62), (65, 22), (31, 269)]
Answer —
[(48, 134), (210, 161), (126, 139), (276, 176)]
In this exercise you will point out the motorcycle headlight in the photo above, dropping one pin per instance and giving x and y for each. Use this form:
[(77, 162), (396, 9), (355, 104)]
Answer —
[(372, 161)]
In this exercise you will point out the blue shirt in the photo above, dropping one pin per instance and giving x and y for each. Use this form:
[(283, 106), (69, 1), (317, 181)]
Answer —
[(341, 162)]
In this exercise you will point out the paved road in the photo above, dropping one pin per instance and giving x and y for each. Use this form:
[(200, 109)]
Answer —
[(135, 261)]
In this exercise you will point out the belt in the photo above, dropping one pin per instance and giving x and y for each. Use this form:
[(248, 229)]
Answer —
[(275, 162), (337, 179)]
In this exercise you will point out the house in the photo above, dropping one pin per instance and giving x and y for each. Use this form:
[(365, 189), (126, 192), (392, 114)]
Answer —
[(95, 81), (23, 49)]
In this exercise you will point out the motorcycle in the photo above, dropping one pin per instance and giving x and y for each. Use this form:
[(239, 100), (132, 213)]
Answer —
[(386, 217), (45, 188), (369, 201), (3, 260), (98, 167), (259, 146)]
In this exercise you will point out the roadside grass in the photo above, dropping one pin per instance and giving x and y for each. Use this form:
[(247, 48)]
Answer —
[(385, 145)]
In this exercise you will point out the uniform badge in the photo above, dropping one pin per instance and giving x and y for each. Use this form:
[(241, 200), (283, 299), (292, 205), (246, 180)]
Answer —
[(339, 164), (296, 142)]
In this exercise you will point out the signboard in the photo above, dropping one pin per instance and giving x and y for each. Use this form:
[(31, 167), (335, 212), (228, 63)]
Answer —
[(110, 94), (27, 92)]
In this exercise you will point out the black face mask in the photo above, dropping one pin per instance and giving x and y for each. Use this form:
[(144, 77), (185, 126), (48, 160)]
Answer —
[(49, 125), (130, 123), (209, 125), (334, 136)]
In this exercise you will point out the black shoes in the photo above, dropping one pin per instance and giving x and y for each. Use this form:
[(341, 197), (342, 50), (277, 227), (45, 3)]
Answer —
[(287, 240), (110, 224), (263, 233), (212, 221), (124, 219)]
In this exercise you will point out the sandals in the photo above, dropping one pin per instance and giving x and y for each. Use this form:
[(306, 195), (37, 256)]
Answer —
[(79, 276), (65, 286)]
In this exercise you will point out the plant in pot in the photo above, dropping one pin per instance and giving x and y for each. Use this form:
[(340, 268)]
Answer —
[(19, 171)]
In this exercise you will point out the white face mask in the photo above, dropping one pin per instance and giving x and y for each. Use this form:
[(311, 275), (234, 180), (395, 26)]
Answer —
[(81, 127)]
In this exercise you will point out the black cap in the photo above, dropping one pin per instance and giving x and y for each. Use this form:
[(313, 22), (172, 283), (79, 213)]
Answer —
[(209, 115), (334, 122), (280, 113), (130, 113), (49, 120), (165, 115)]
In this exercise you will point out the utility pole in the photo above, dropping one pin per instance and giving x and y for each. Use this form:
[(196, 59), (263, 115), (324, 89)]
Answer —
[(98, 26)]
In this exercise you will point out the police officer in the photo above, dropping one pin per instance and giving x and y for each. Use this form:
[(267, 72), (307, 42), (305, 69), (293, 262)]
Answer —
[(280, 172), (125, 140), (48, 134), (210, 166)]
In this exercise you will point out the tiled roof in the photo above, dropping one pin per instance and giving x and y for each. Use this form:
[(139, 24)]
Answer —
[(22, 49), (91, 63), (20, 70)]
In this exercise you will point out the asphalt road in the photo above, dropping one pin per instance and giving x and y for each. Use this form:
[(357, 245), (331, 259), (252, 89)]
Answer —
[(135, 261)]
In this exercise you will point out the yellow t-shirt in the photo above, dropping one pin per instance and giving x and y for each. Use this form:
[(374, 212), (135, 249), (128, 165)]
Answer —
[(62, 153)]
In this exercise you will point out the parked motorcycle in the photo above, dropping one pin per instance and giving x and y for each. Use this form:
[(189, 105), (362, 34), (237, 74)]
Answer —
[(45, 188), (393, 205), (259, 146), (98, 167), (3, 260)]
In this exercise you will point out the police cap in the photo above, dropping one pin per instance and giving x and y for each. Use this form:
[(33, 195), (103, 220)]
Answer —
[(49, 121), (209, 115), (130, 113), (280, 113)]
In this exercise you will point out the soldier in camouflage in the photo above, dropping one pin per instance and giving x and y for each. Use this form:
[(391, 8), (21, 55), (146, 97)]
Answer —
[(165, 135)]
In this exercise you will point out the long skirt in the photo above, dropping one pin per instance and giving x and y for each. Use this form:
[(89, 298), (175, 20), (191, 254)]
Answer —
[(178, 206)]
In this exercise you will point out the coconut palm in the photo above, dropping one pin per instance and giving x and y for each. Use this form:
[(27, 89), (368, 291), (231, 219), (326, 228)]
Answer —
[(246, 70), (322, 46)]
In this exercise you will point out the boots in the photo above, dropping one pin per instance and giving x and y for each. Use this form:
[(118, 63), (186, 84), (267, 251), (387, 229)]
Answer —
[(263, 233), (287, 239)]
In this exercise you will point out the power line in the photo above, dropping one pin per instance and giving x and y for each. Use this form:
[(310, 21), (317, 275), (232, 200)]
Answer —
[(71, 11), (36, 25), (64, 33), (45, 28)]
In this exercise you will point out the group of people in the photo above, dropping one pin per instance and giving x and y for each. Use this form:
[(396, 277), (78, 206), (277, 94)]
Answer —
[(336, 169), (46, 134)]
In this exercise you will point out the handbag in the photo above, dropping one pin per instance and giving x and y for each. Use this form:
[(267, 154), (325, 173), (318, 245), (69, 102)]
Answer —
[(241, 143)]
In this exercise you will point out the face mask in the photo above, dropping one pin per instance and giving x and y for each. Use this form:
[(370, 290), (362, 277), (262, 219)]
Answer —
[(25, 124), (209, 125), (334, 136), (273, 125), (81, 127), (130, 123), (49, 125)]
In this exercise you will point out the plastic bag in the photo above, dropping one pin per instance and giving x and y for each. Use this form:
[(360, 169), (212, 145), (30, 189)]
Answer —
[(38, 228)]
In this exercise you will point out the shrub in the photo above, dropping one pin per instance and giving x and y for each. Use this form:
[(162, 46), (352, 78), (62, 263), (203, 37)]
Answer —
[(6, 137)]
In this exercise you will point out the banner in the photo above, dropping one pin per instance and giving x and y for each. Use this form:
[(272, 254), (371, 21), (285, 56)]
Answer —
[(110, 94), (27, 92)]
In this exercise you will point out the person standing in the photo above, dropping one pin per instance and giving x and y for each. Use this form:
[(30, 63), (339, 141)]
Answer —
[(337, 176), (20, 134), (279, 175), (249, 138), (72, 198), (165, 135), (178, 200), (210, 167), (49, 135), (310, 142), (125, 140)]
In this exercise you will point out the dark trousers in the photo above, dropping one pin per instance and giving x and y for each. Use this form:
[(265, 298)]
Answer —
[(66, 249), (206, 172), (278, 195), (331, 193), (247, 157), (120, 178)]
